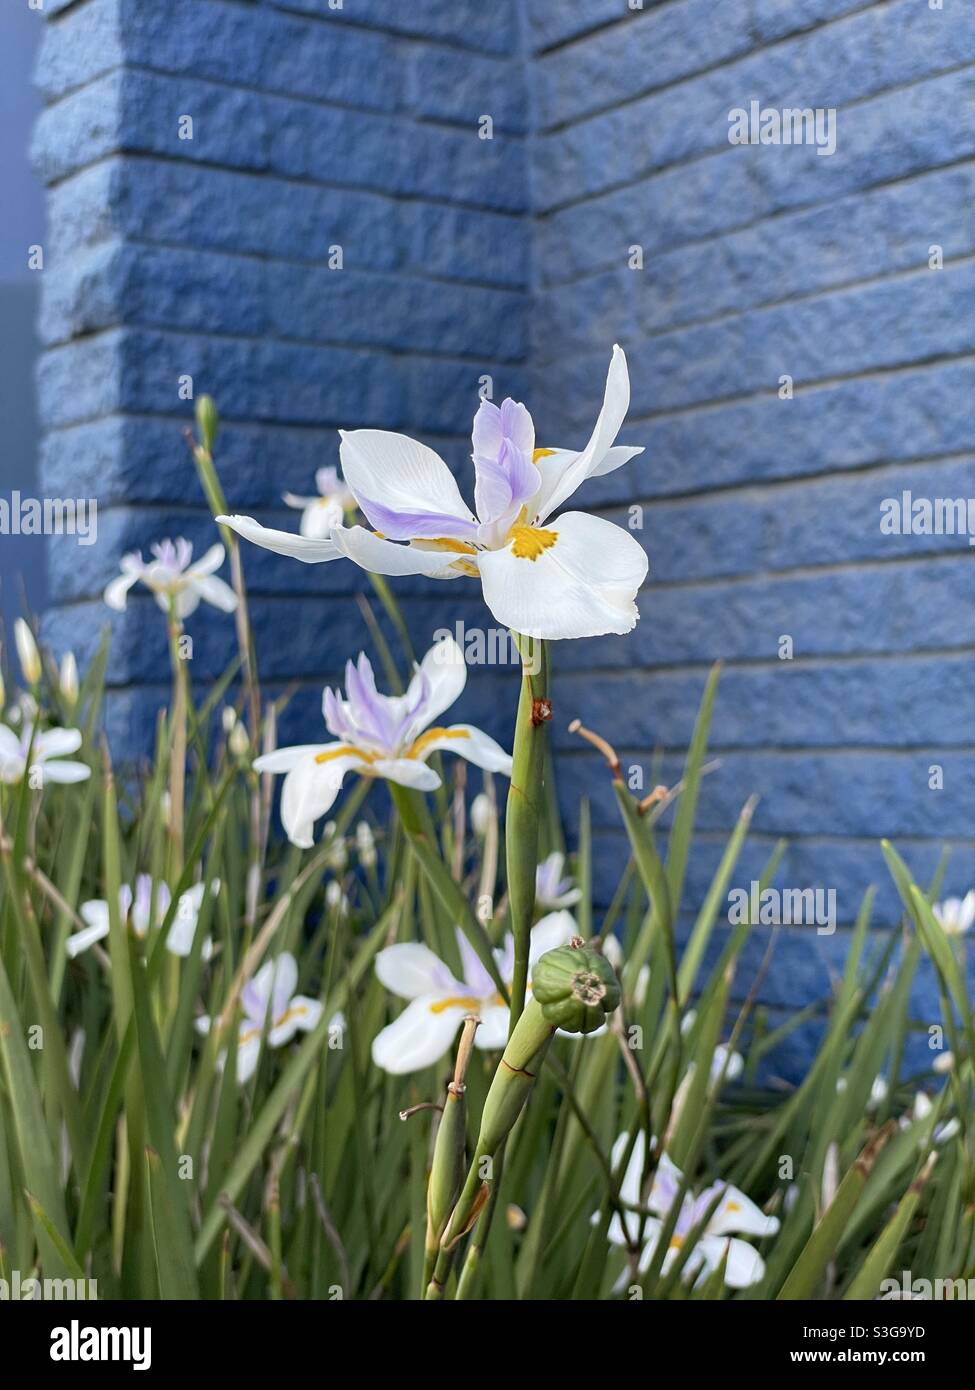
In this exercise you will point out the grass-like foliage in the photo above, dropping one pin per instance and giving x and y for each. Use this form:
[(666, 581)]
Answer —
[(194, 1103)]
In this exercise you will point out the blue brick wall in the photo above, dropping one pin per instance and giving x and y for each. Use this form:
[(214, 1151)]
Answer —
[(312, 127), (762, 514), (358, 126)]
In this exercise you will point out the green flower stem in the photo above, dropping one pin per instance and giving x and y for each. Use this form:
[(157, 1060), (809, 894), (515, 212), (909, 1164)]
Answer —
[(447, 1168), (467, 1279), (510, 1089), (177, 743), (410, 808), (524, 809)]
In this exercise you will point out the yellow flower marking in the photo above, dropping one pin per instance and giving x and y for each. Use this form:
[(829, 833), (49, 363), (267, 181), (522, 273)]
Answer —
[(345, 750), (528, 542), (467, 567), (465, 1001), (431, 736), (293, 1011), (456, 1001), (445, 543), (542, 454)]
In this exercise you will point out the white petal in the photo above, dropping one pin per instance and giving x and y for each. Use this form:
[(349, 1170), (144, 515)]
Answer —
[(420, 1036), (95, 913), (310, 789), (406, 772), (631, 1180), (284, 759), (445, 672), (402, 475), (615, 458), (186, 601), (379, 556), (471, 743), (56, 743), (60, 770), (318, 519), (737, 1212), (492, 1035), (208, 563), (557, 929), (574, 472), (248, 1055), (81, 940), (583, 584), (745, 1265), (284, 982), (413, 971), (301, 1015), (117, 592), (215, 591), (9, 743), (310, 551)]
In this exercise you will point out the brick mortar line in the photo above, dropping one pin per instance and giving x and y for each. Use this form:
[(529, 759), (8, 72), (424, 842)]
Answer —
[(777, 215), (795, 36), (309, 16), (797, 481), (198, 334), (713, 152), (394, 114), (806, 387), (895, 276), (410, 273), (370, 190), (179, 422)]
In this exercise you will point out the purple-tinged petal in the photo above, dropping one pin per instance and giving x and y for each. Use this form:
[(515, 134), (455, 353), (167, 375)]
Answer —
[(410, 525)]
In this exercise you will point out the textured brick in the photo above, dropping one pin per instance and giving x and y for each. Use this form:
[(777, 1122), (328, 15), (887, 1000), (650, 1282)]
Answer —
[(214, 209), (264, 48), (819, 793), (452, 86), (491, 28), (864, 55), (466, 245), (907, 414), (730, 185), (797, 704), (86, 43), (468, 258), (551, 24), (845, 333)]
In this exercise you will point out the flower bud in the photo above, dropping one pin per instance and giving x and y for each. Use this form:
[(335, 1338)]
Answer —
[(335, 898), (337, 858), (481, 814), (68, 679), (576, 987), (228, 718), (365, 845), (30, 657), (207, 421), (238, 742)]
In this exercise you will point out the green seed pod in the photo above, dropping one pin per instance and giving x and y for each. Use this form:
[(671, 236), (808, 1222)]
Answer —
[(576, 987)]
